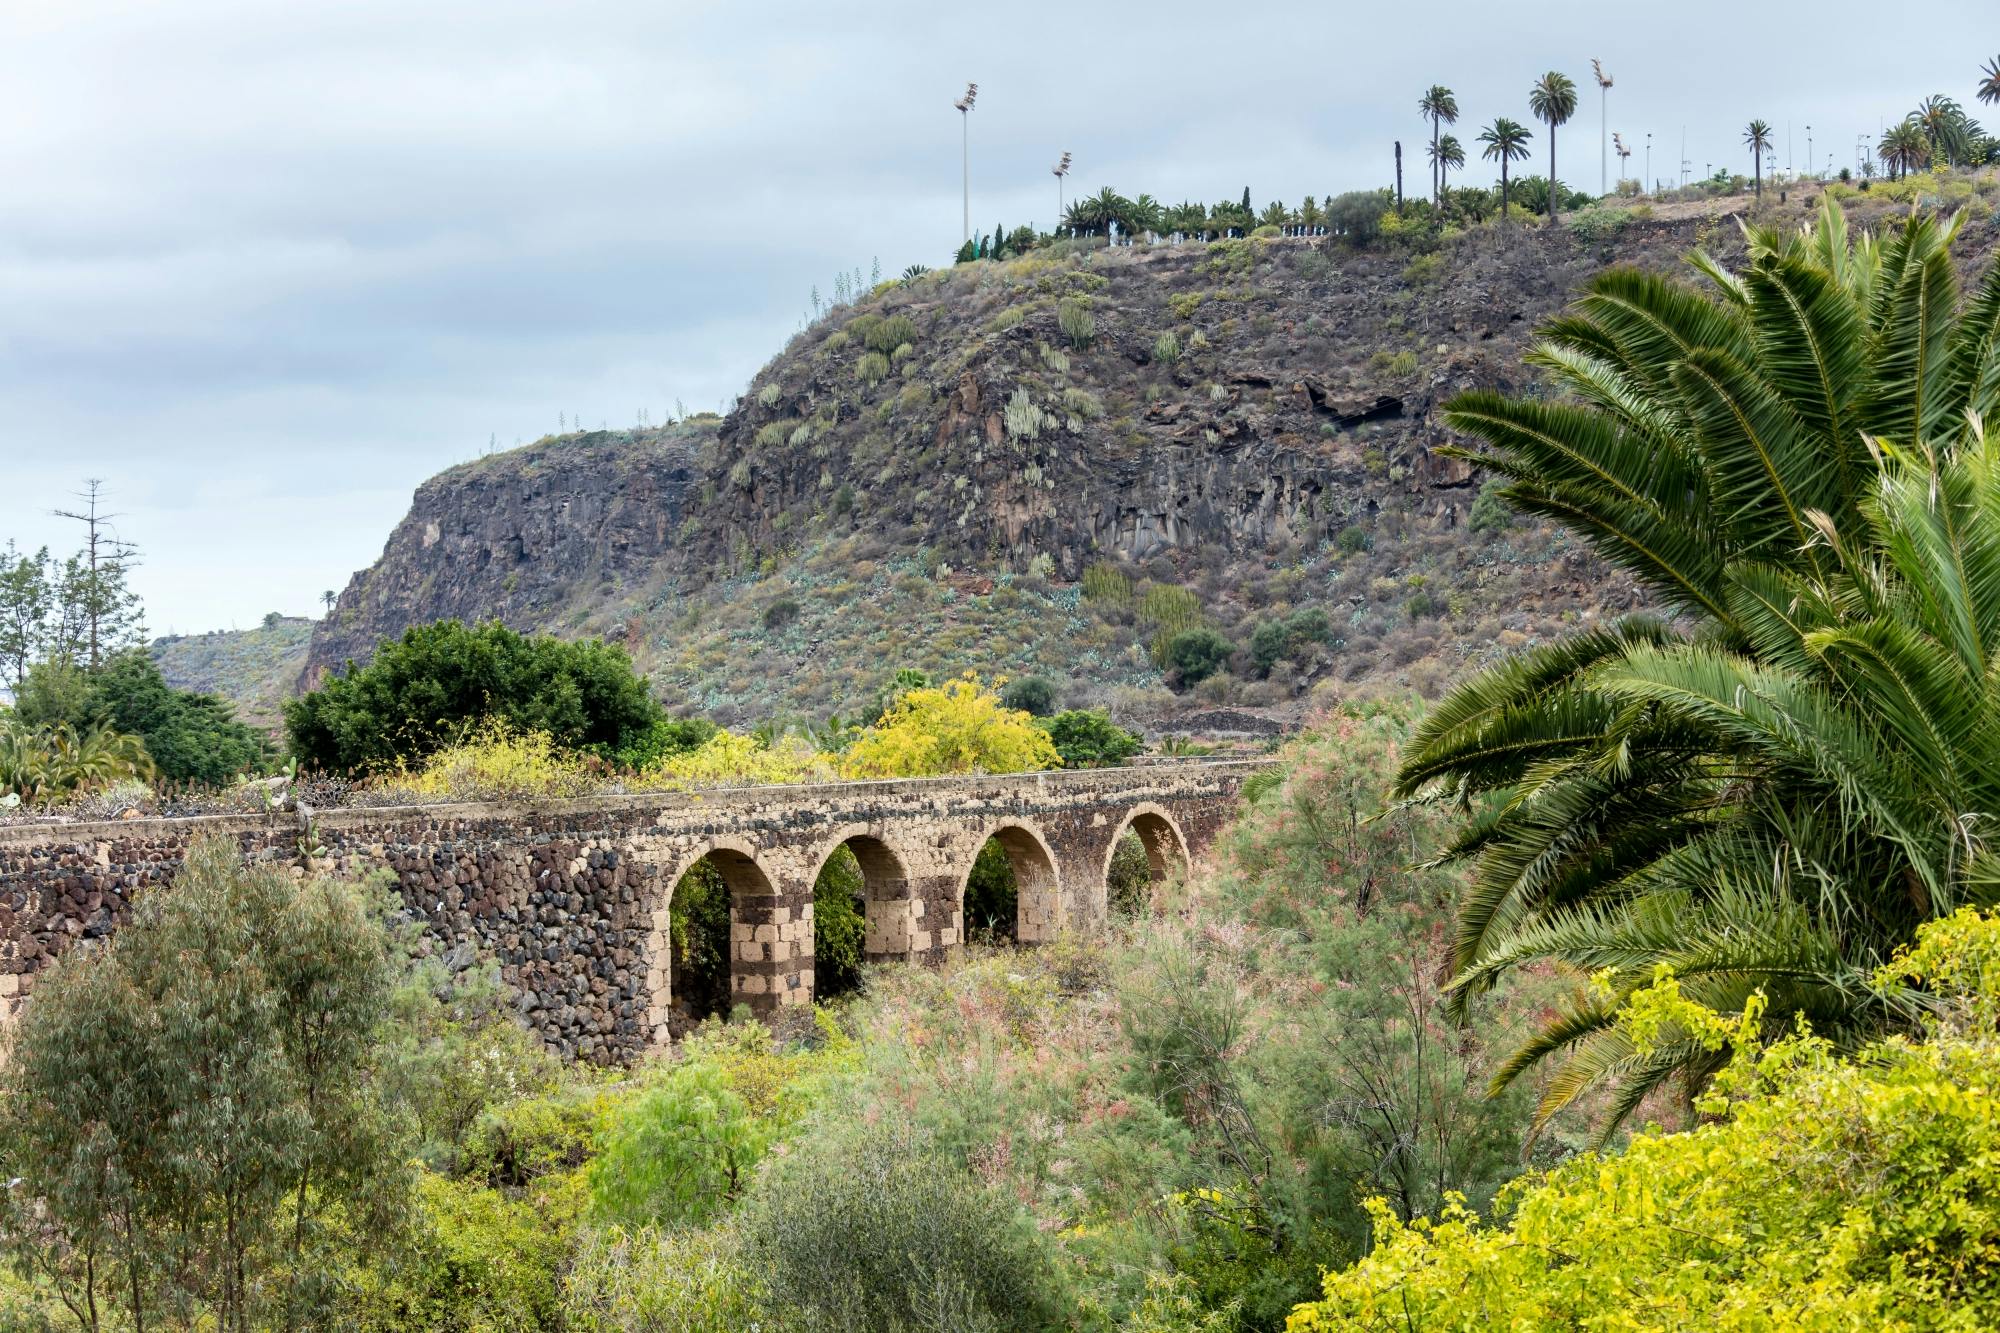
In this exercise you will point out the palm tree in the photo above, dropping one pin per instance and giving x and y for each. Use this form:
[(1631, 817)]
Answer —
[(1989, 86), (1145, 215), (1758, 137), (1309, 216), (1944, 126), (1506, 142), (1442, 108), (1553, 100), (1446, 153), (1904, 149), (1771, 790)]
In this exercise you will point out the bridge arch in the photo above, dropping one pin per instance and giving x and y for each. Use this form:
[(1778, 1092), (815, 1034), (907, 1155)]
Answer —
[(1037, 882), (1160, 834), (885, 890), (769, 943)]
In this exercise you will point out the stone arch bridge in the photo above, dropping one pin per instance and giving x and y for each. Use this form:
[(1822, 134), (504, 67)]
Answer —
[(570, 898)]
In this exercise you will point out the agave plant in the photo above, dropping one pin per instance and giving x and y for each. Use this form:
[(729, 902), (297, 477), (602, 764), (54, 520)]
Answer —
[(1772, 786)]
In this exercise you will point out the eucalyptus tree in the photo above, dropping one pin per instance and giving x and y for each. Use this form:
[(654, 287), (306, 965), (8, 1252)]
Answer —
[(1771, 787), (1506, 142), (1553, 100), (1757, 137), (1441, 107)]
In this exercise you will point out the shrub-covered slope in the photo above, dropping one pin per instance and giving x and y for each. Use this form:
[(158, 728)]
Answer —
[(1055, 464), (256, 669)]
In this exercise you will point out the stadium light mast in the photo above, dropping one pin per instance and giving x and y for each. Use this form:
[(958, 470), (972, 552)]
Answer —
[(1603, 144), (1059, 170), (964, 105)]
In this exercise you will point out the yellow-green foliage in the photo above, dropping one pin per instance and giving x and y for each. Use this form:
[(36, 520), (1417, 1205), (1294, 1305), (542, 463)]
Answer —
[(872, 369), (495, 762), (1170, 609), (1007, 319), (958, 727), (1834, 1194), (472, 1259), (1104, 582), (1082, 403), (1184, 304), (835, 340), (729, 759), (655, 1281)]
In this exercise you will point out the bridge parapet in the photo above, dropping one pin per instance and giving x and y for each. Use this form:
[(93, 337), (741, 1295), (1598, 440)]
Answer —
[(570, 898)]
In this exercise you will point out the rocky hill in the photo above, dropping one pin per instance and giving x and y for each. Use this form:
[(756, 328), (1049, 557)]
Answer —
[(256, 669), (1048, 465)]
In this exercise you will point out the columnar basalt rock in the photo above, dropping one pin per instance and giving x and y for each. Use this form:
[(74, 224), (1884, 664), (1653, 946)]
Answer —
[(570, 899)]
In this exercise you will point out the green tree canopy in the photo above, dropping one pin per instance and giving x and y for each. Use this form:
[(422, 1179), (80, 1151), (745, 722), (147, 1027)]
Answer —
[(421, 691), (1088, 738), (192, 737)]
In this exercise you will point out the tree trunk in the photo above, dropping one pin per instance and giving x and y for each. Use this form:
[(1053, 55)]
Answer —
[(1504, 219), (1555, 191)]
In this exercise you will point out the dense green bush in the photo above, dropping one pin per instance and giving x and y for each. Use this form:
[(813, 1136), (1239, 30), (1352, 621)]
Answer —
[(1490, 512), (1033, 695), (684, 1148), (652, 1281), (1357, 215), (664, 738), (872, 368), (840, 925), (890, 333), (1196, 654), (872, 1228), (1288, 638), (421, 692), (1088, 738)]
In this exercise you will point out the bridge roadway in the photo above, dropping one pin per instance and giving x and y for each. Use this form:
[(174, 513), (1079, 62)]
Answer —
[(570, 898)]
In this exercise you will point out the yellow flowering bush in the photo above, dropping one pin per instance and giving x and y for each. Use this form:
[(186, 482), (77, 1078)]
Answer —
[(730, 759), (958, 727), (495, 761), (1832, 1193)]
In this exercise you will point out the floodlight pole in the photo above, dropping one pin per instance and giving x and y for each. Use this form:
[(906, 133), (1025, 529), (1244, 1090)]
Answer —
[(1603, 120), (964, 105)]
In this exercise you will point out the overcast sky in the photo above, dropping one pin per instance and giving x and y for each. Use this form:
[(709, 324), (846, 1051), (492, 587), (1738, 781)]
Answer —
[(265, 265)]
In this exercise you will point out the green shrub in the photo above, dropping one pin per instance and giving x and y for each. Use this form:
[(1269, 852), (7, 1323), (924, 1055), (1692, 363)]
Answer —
[(769, 395), (872, 369), (1009, 318), (1357, 215), (772, 434), (1288, 638), (873, 1228), (1034, 695), (1074, 318), (1490, 513), (665, 738), (1088, 738), (1167, 348), (835, 341), (1353, 539), (1184, 304), (471, 1259), (862, 328), (1055, 358), (682, 1149), (1197, 654), (840, 923), (781, 613), (903, 352), (1082, 403), (517, 1142), (653, 1281), (887, 335), (1421, 606)]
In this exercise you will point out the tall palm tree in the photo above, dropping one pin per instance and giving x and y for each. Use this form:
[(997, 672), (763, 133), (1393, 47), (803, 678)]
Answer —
[(1989, 85), (1442, 108), (1446, 154), (1506, 142), (1773, 789), (1146, 215), (1904, 149), (1758, 137), (1553, 100)]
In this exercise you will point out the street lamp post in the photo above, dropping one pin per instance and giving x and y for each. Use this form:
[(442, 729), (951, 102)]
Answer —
[(1061, 169), (1603, 150), (964, 105), (1650, 183), (1809, 152)]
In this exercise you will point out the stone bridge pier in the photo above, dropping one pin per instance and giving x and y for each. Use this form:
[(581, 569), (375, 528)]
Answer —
[(572, 900)]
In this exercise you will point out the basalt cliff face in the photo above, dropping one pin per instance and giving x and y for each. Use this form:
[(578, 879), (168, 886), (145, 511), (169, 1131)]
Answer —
[(1027, 466)]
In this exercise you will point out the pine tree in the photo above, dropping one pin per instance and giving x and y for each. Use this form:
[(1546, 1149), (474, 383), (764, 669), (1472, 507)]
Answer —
[(1246, 202)]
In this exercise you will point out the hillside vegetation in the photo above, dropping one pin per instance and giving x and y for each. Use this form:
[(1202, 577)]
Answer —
[(1054, 465)]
